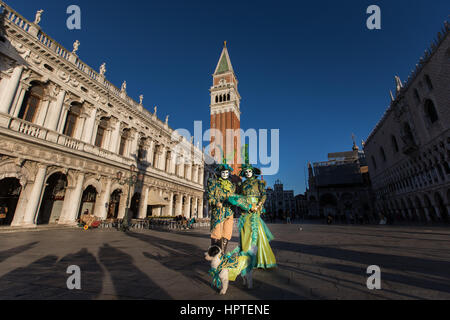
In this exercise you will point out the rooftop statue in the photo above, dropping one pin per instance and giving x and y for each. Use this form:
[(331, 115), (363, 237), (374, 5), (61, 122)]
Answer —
[(76, 45), (103, 69), (38, 16)]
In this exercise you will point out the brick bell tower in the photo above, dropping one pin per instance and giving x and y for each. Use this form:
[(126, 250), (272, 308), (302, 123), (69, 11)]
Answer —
[(225, 113)]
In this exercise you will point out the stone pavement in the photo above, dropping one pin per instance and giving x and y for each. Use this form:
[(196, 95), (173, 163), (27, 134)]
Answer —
[(315, 262)]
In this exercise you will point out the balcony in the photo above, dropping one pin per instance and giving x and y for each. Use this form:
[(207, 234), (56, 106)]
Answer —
[(34, 133)]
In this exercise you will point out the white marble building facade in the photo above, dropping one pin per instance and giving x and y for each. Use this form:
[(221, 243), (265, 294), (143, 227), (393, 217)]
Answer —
[(66, 133), (408, 152)]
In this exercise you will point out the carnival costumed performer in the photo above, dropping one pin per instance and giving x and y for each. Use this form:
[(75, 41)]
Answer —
[(255, 236), (222, 216)]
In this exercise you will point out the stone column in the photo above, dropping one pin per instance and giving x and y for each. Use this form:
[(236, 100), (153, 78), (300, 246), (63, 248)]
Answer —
[(19, 102), (170, 210), (160, 210), (35, 196), (200, 208), (163, 158), (123, 203), (63, 118), (187, 206), (75, 201), (179, 205), (107, 139), (182, 166), (150, 151), (94, 132), (189, 172), (143, 203), (80, 126), (133, 144), (200, 177), (89, 125), (195, 174), (193, 207), (43, 111), (55, 111), (22, 204), (101, 208), (10, 90), (115, 136)]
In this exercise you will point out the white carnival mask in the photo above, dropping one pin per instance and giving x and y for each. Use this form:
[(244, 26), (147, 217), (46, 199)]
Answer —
[(225, 174), (249, 173)]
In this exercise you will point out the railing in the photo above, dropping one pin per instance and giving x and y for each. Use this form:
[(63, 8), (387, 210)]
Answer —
[(16, 19), (35, 131), (38, 132)]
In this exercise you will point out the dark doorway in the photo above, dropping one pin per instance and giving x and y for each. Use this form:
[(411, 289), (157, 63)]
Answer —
[(53, 199), (134, 206), (10, 190), (88, 199), (114, 203)]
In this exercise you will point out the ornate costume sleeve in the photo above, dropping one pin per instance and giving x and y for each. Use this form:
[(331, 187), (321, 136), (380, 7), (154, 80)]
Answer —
[(211, 193), (262, 191)]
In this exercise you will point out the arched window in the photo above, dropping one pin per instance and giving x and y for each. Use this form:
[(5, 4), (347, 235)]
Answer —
[(217, 99), (220, 99), (374, 162), (102, 127), (228, 97), (394, 144), (428, 82), (383, 154), (142, 152), (72, 118), (417, 95), (123, 141), (430, 111), (31, 102)]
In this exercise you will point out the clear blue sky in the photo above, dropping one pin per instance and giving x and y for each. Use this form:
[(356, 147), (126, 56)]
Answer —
[(309, 68)]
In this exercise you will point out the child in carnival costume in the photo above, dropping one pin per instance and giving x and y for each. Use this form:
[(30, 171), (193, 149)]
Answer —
[(222, 216), (255, 236)]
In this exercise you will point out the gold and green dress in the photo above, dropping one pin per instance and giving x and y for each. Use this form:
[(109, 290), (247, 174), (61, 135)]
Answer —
[(219, 191), (255, 236)]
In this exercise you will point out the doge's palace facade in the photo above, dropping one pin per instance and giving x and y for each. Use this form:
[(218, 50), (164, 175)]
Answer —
[(408, 151), (66, 134)]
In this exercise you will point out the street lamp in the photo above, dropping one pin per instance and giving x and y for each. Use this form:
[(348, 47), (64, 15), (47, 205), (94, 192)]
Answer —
[(131, 181)]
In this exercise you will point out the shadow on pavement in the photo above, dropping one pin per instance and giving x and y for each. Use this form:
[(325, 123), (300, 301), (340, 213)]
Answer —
[(46, 278), (188, 260), (14, 251), (129, 281), (385, 261), (415, 281)]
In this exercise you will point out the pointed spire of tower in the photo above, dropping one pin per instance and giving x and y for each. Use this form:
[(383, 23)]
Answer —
[(355, 146), (224, 64)]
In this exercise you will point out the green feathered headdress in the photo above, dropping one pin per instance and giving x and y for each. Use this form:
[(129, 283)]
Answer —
[(223, 167), (247, 165)]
